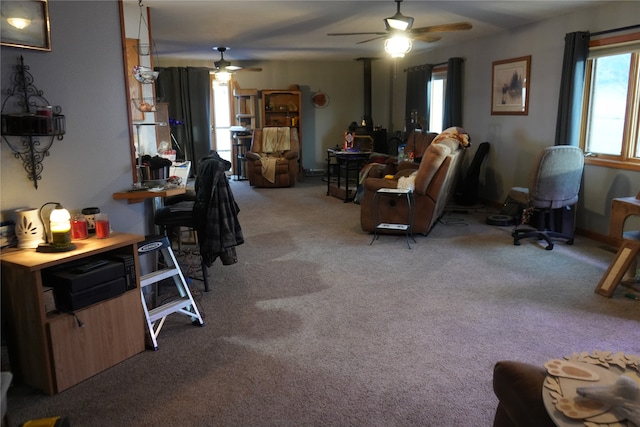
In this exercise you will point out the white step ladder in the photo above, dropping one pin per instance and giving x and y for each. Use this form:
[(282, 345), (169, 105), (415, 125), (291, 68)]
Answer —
[(183, 305)]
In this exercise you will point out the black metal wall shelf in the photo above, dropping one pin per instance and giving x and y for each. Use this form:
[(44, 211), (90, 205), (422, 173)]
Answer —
[(31, 124)]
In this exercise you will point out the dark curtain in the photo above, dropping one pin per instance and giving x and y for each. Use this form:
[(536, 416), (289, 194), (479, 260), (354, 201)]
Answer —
[(453, 94), (188, 92), (417, 98), (576, 50)]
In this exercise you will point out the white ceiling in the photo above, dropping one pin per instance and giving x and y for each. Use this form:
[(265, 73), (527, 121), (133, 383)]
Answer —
[(297, 30)]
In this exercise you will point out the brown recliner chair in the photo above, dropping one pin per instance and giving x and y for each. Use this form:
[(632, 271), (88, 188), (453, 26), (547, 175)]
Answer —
[(272, 160), (434, 181), (417, 143)]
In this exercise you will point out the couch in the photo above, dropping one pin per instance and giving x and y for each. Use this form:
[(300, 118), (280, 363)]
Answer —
[(433, 184), (518, 387), (272, 160)]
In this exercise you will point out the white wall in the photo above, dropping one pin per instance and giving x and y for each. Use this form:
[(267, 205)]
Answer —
[(83, 74)]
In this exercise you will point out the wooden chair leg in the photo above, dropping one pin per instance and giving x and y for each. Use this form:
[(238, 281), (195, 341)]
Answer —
[(624, 259)]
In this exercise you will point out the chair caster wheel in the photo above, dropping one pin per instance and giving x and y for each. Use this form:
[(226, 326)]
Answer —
[(549, 247), (197, 323), (570, 242)]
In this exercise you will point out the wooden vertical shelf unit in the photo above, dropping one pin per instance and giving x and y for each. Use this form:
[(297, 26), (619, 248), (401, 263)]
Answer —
[(283, 108), (245, 108), (53, 351)]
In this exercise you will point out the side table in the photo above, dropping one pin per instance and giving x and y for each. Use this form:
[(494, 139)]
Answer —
[(240, 146), (406, 227), (350, 162)]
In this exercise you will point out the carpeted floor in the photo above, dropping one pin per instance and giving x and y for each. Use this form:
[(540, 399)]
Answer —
[(315, 327)]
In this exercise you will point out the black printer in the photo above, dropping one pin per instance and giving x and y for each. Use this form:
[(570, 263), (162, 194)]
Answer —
[(88, 281)]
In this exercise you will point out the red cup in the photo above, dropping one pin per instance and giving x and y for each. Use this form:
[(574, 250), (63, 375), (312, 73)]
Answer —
[(102, 226), (79, 229), (45, 111)]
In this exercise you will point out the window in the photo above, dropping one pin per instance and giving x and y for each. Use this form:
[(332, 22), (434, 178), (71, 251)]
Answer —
[(436, 107), (612, 103), (222, 118)]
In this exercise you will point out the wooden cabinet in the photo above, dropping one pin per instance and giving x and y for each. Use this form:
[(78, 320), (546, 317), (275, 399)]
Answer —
[(52, 351), (283, 108)]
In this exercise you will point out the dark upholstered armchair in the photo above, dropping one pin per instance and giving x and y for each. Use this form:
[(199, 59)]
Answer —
[(518, 387), (552, 192), (272, 160)]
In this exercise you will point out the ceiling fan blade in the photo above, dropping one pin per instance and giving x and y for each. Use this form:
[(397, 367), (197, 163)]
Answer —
[(251, 69), (370, 40), (378, 33), (428, 38), (233, 67), (459, 26)]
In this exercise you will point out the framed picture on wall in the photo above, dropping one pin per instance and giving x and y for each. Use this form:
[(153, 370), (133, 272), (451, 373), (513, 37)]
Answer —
[(510, 86), (25, 24)]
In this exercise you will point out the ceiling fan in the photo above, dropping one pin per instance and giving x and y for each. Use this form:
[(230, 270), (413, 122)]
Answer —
[(400, 24), (225, 66)]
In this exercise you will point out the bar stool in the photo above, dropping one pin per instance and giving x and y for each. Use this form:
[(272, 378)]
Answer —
[(179, 215)]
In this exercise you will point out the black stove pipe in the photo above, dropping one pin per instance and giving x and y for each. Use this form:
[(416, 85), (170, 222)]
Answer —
[(368, 120)]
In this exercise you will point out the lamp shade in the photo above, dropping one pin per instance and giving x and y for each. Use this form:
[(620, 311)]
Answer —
[(60, 224), (398, 45), (58, 232)]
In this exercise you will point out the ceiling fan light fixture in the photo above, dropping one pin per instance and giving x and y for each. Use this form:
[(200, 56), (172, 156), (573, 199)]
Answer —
[(398, 46), (223, 76), (398, 22)]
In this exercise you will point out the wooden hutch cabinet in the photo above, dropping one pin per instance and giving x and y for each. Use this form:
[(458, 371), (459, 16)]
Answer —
[(283, 108)]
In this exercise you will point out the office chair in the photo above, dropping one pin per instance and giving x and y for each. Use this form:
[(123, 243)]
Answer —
[(549, 200)]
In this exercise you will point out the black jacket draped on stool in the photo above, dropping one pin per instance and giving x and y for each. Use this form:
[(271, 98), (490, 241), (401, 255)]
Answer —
[(215, 212)]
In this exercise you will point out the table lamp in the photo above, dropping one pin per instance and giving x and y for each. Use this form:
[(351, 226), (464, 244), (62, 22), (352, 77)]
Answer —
[(57, 230)]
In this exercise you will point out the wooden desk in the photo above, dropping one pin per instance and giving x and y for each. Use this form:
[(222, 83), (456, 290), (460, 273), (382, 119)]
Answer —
[(625, 262), (137, 196), (51, 351), (621, 209)]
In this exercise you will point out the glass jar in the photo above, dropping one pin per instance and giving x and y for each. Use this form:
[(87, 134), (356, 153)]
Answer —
[(79, 229)]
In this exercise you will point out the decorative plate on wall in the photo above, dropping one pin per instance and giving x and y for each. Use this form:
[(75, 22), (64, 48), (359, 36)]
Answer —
[(320, 99)]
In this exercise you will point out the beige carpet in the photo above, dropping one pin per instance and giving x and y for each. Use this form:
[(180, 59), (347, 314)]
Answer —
[(314, 327)]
